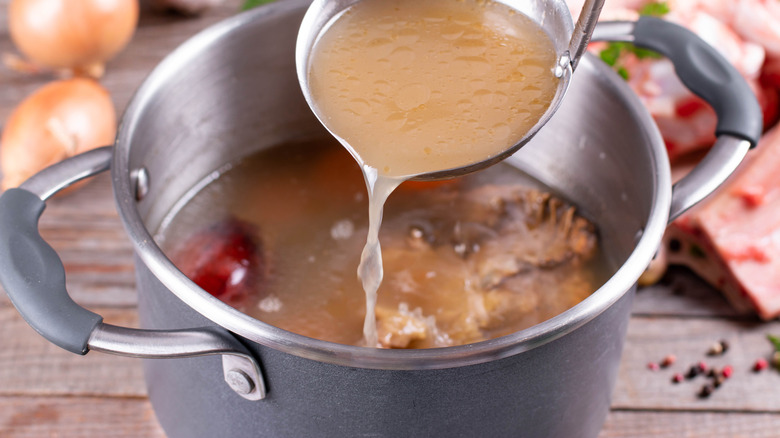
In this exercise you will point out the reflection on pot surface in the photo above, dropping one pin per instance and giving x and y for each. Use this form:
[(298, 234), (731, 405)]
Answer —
[(279, 236)]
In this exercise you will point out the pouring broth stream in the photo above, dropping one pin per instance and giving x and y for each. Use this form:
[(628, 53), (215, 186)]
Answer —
[(413, 87)]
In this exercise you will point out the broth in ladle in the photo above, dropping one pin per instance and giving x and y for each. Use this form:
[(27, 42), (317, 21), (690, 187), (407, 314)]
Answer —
[(420, 86)]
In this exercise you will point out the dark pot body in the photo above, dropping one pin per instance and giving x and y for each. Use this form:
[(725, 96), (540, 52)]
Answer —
[(553, 380), (560, 389)]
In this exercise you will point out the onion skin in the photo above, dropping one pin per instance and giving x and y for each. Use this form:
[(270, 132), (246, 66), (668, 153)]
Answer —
[(61, 119), (72, 34)]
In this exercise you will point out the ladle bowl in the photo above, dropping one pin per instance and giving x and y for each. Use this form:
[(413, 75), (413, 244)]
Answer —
[(569, 42)]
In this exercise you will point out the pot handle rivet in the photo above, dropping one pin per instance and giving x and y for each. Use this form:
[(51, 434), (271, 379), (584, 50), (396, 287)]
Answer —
[(239, 382), (140, 182)]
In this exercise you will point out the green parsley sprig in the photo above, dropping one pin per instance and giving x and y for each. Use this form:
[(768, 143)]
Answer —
[(614, 51), (249, 4), (775, 340)]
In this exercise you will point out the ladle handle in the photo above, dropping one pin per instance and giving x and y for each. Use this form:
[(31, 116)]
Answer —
[(583, 29), (710, 76), (33, 276)]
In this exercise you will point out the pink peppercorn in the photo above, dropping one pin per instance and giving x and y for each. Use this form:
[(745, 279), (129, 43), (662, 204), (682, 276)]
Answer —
[(727, 371), (760, 365), (677, 378), (702, 366), (652, 366)]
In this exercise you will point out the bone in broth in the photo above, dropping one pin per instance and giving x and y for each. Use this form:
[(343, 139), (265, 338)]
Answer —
[(420, 86), (278, 236), (417, 87)]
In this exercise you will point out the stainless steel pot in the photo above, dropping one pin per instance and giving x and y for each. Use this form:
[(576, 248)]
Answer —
[(231, 91)]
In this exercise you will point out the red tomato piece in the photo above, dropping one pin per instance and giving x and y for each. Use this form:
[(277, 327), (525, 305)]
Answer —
[(225, 260)]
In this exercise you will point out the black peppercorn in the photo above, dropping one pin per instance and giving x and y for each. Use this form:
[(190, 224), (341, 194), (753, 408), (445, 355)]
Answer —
[(719, 348)]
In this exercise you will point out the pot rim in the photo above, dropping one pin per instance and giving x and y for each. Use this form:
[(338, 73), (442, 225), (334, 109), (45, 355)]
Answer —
[(621, 282)]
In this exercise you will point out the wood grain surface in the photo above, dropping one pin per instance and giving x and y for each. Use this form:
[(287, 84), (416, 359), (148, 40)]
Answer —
[(47, 392), (77, 417)]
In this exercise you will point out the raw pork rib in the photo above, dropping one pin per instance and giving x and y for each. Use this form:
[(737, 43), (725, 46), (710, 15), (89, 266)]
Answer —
[(732, 239)]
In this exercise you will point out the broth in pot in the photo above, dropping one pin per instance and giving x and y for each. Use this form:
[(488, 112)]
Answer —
[(279, 234)]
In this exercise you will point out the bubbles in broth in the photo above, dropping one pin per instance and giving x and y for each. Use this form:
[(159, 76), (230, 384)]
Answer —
[(279, 235)]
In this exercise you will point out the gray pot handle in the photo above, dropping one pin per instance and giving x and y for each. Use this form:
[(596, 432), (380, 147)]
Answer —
[(708, 75), (33, 276)]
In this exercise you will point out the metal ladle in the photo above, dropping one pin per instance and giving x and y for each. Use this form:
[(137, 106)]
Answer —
[(570, 42)]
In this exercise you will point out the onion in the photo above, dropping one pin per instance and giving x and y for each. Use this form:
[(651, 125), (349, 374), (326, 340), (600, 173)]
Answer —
[(61, 119), (73, 34)]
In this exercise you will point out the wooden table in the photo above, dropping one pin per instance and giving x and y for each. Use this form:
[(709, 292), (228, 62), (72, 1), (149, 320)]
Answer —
[(47, 392)]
